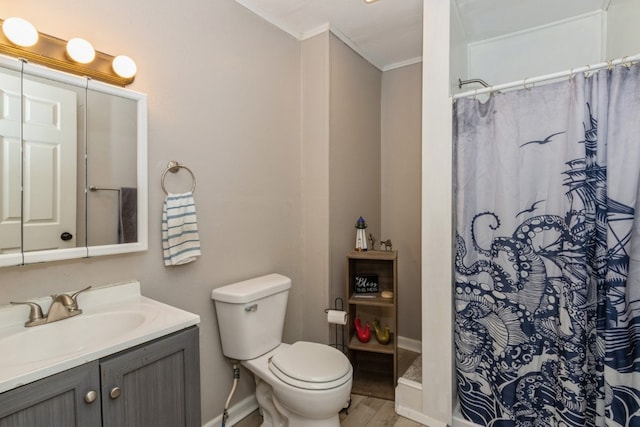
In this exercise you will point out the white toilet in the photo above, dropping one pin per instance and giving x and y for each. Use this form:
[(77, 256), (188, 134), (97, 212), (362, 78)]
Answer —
[(298, 385)]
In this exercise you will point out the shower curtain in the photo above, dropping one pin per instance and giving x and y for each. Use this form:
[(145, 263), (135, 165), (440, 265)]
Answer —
[(547, 261)]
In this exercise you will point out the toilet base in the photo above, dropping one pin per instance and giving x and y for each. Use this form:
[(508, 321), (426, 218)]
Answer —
[(276, 415), (271, 417), (294, 420), (283, 405)]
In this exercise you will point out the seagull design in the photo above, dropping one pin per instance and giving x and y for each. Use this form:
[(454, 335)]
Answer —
[(531, 209), (544, 141)]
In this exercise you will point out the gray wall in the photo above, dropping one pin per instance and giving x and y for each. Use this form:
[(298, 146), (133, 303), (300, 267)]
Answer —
[(354, 154), (315, 185), (401, 190)]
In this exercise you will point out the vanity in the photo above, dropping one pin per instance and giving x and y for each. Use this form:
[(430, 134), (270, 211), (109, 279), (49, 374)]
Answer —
[(127, 360), (73, 184)]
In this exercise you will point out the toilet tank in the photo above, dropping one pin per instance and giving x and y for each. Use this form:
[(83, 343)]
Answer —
[(251, 315)]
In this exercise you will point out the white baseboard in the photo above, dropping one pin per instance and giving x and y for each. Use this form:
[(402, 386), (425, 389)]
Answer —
[(236, 413), (410, 344), (419, 417), (414, 386), (408, 396)]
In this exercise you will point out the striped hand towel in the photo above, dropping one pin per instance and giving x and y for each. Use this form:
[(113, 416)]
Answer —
[(180, 240)]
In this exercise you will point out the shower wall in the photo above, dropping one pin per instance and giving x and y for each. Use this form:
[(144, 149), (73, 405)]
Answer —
[(536, 51), (622, 23), (587, 38)]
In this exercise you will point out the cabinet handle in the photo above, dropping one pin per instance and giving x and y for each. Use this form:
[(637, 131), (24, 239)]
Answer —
[(114, 393), (91, 396)]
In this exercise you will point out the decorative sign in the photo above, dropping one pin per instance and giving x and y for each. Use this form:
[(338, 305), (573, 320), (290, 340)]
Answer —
[(366, 283)]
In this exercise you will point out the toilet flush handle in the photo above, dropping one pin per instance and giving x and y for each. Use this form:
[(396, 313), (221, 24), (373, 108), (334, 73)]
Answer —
[(252, 307)]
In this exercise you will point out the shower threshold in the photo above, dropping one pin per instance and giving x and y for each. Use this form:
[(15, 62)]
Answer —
[(408, 401)]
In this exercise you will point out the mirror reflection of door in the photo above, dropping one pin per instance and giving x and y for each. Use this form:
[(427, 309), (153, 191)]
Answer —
[(10, 181), (50, 140)]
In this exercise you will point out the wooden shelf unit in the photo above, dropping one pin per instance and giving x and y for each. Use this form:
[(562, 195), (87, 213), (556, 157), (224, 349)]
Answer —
[(375, 365)]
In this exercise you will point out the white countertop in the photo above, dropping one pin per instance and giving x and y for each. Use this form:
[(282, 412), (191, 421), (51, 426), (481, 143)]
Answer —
[(114, 318)]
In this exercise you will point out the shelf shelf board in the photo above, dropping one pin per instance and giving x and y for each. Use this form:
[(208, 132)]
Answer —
[(373, 255), (371, 300), (373, 345)]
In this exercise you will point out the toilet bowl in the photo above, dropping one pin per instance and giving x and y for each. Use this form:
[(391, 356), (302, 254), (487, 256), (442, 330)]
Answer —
[(305, 392), (303, 384)]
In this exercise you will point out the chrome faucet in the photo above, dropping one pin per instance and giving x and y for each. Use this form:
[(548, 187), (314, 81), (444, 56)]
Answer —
[(62, 307)]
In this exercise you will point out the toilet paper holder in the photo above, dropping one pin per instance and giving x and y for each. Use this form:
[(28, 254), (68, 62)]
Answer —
[(338, 305)]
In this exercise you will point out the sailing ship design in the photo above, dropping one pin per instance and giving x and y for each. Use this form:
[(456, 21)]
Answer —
[(543, 332)]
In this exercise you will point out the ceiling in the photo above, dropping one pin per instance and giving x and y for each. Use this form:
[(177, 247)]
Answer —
[(388, 33)]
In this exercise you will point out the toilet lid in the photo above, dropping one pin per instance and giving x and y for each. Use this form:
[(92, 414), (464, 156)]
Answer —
[(311, 366)]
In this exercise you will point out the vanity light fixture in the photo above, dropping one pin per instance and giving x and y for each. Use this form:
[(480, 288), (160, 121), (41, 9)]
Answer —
[(20, 39), (20, 31), (370, 1), (124, 66), (80, 50)]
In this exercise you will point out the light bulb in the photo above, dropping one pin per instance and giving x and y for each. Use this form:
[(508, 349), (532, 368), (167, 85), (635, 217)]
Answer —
[(20, 31), (80, 50), (124, 66)]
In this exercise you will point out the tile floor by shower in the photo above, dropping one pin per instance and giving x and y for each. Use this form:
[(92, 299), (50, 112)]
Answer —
[(364, 411)]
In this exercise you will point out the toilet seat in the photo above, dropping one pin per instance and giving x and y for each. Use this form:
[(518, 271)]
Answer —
[(311, 366)]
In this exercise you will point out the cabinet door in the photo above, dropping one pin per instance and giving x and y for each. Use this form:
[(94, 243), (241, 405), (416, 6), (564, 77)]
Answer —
[(58, 400), (154, 385)]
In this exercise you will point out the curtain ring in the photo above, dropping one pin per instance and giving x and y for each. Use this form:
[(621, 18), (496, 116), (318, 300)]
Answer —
[(571, 74), (625, 62), (586, 73), (610, 64), (524, 84), (475, 93)]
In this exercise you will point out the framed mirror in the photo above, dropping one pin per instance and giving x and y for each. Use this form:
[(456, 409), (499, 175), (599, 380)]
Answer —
[(73, 166)]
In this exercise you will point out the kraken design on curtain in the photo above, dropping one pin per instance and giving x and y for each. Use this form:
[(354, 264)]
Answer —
[(547, 265)]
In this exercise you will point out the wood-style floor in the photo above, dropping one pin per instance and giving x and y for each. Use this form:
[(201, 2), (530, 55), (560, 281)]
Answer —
[(364, 412)]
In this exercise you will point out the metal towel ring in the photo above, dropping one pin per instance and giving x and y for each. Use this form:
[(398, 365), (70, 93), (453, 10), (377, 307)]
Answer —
[(174, 167)]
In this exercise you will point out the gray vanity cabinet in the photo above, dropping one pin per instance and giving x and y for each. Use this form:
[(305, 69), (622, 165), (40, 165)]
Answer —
[(57, 400), (155, 384)]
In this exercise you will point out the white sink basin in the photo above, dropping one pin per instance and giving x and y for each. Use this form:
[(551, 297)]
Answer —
[(114, 318), (67, 336)]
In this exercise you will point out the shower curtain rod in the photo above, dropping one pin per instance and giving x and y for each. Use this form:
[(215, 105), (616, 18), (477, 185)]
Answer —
[(627, 61)]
